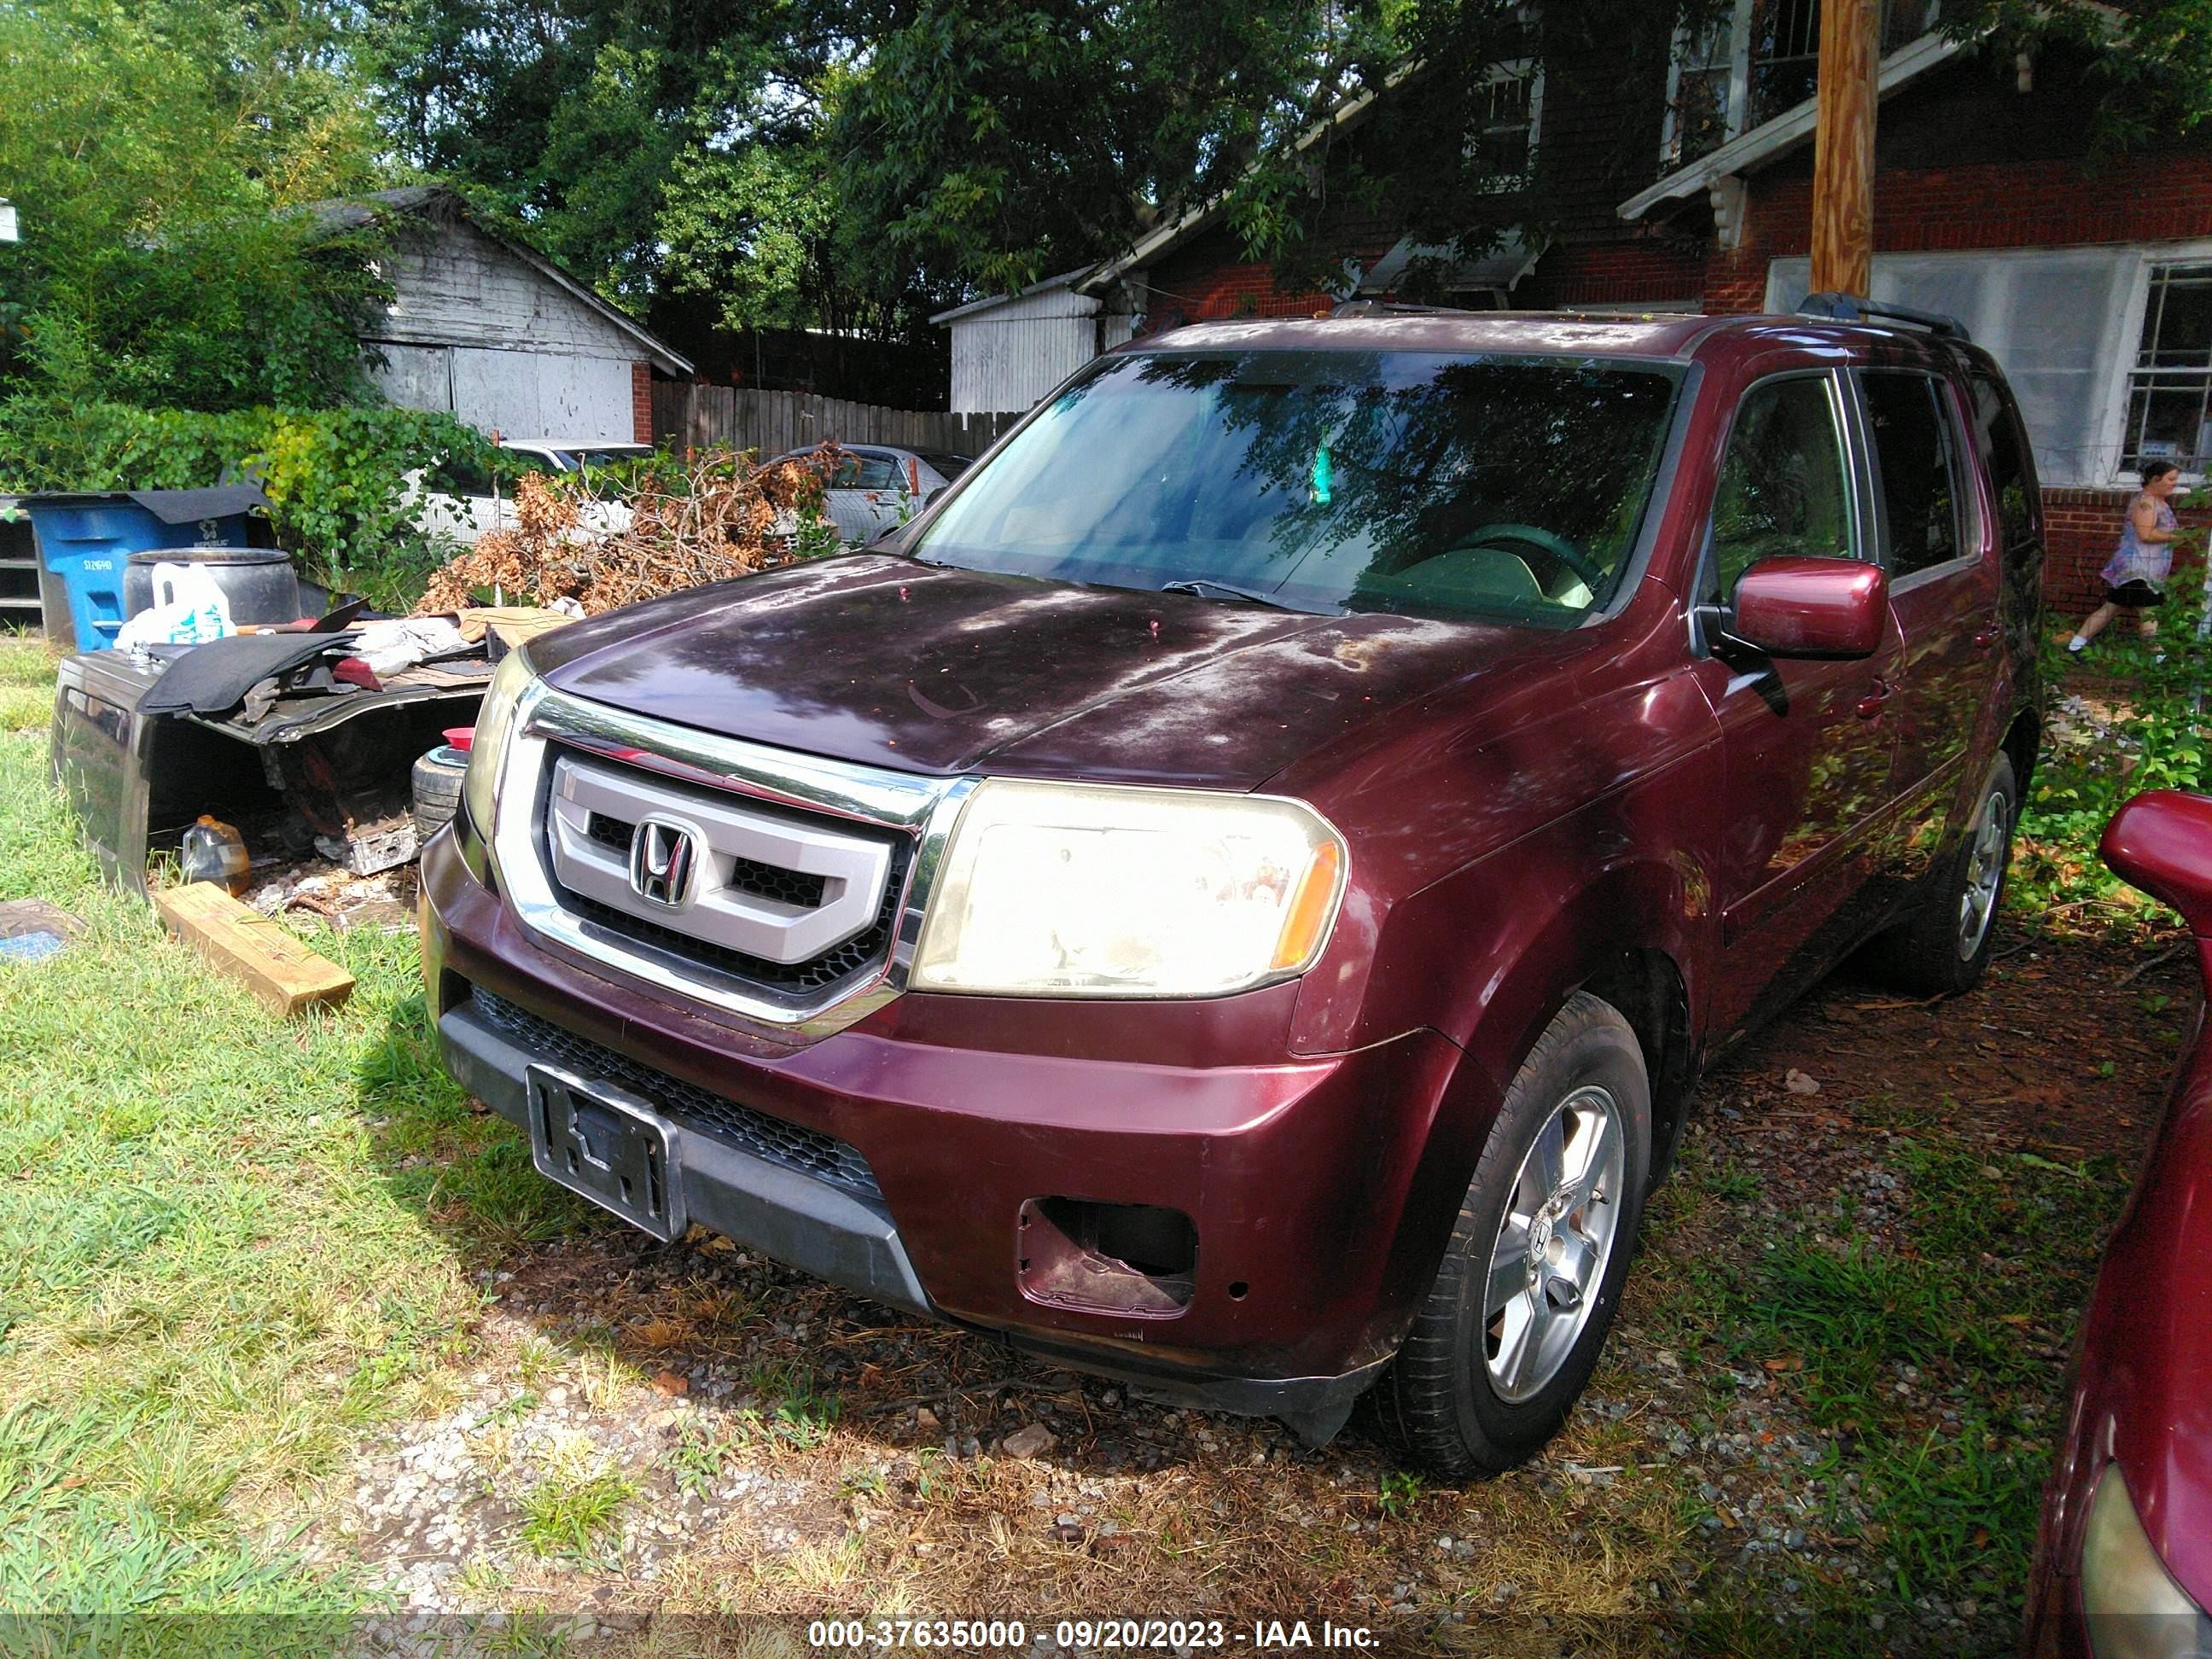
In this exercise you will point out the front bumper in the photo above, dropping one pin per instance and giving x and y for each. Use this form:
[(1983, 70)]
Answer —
[(1319, 1200)]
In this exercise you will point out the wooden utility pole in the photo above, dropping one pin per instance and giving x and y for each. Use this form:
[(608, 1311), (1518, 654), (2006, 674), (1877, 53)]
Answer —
[(1843, 148)]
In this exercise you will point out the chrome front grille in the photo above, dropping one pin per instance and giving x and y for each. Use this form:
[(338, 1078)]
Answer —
[(854, 959), (723, 910), (792, 887), (805, 880)]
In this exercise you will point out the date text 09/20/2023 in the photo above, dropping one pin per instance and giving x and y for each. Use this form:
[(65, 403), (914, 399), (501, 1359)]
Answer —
[(1263, 1636)]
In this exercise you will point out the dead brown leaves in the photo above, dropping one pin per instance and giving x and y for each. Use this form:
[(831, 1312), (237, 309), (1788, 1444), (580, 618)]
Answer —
[(721, 516)]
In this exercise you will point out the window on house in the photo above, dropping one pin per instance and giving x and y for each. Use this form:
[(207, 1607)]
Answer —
[(1750, 63), (2170, 388), (1501, 137), (1699, 100), (1784, 57)]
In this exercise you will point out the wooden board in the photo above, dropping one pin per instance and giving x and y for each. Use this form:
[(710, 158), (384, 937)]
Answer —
[(284, 973)]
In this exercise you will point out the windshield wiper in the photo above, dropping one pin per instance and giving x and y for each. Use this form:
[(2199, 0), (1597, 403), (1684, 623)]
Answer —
[(1203, 585)]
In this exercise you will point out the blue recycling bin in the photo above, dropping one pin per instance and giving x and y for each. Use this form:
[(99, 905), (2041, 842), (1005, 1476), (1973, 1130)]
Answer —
[(85, 541)]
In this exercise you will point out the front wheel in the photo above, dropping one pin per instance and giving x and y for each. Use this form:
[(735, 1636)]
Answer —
[(1527, 1287)]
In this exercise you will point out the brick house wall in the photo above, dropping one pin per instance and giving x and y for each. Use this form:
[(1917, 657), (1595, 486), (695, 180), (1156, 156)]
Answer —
[(1204, 281), (1597, 141), (1615, 271)]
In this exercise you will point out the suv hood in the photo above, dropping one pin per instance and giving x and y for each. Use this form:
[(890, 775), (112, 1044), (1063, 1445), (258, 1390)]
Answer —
[(922, 668)]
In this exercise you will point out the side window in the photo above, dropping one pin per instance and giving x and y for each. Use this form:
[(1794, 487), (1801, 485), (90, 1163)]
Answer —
[(878, 472), (1783, 487), (2010, 475), (1916, 454)]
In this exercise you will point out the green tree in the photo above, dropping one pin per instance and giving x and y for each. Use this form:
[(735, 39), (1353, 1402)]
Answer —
[(157, 152), (990, 145), (567, 116), (2152, 57)]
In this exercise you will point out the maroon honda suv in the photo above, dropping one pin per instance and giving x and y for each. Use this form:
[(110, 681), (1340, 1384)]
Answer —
[(1236, 894)]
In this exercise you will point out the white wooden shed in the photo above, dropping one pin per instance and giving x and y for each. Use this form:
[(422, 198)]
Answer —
[(1012, 349), (486, 328)]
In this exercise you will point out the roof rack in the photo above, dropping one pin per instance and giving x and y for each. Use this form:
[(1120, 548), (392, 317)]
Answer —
[(1389, 309), (1852, 308)]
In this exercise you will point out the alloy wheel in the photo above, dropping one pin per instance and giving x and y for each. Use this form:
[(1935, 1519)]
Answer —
[(1549, 1261), (1986, 865)]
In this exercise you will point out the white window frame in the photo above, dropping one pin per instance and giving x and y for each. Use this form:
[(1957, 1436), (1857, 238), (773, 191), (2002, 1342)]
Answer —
[(1738, 113), (1530, 70), (2121, 391)]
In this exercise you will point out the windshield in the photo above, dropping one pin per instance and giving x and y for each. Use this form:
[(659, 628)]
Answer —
[(1505, 487)]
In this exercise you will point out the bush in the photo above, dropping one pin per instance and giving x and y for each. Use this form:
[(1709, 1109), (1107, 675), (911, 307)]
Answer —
[(335, 479)]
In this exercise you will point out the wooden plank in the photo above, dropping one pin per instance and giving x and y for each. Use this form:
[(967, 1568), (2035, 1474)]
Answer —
[(284, 973)]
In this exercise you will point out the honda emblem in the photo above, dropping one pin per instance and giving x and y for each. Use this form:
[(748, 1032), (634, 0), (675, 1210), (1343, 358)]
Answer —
[(663, 857)]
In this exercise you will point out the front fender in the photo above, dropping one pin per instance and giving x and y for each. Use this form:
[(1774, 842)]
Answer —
[(1534, 959), (1543, 954)]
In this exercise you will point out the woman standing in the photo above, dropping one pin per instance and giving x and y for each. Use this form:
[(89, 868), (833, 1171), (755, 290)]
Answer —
[(2135, 577)]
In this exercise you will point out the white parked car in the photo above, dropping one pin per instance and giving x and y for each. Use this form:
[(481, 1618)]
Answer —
[(877, 486), (458, 500)]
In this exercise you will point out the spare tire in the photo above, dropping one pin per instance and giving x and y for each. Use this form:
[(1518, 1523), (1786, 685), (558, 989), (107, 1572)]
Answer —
[(437, 781)]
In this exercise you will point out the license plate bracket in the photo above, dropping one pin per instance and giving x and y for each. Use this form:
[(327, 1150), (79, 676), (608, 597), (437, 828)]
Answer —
[(609, 1147)]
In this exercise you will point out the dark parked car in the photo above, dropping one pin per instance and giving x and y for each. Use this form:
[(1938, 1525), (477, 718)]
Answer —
[(2123, 1565), (1236, 894)]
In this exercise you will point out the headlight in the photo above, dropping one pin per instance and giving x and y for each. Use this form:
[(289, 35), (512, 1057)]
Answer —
[(2135, 1609), (488, 748), (1054, 889)]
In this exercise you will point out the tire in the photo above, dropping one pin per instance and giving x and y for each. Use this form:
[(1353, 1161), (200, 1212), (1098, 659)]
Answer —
[(437, 783), (1462, 1397), (1945, 947)]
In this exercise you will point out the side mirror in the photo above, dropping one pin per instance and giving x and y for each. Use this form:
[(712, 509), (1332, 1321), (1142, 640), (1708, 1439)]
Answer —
[(1800, 607), (2161, 841), (931, 499)]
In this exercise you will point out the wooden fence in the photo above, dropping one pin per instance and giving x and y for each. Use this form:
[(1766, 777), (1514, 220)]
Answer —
[(720, 417)]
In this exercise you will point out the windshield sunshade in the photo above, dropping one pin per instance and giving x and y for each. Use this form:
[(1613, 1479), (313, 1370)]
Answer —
[(1507, 487)]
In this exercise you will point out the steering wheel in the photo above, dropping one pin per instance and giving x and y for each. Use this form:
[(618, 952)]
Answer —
[(1559, 547)]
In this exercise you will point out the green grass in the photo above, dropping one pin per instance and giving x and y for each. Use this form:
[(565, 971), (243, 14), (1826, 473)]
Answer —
[(2160, 737), (1967, 1306), (229, 1243), (573, 1508), (792, 1409)]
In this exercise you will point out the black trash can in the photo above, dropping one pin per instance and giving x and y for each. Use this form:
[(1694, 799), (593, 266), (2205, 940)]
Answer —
[(259, 582)]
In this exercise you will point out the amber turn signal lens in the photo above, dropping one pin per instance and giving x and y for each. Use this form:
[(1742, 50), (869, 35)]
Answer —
[(1311, 907)]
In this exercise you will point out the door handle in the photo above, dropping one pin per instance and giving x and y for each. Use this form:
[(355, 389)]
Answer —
[(1871, 705)]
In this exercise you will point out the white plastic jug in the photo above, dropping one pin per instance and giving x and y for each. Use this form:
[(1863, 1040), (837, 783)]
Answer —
[(190, 608)]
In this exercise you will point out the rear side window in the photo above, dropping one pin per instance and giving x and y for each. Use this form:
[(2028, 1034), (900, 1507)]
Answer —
[(1783, 490), (866, 473), (2010, 478), (1918, 456)]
